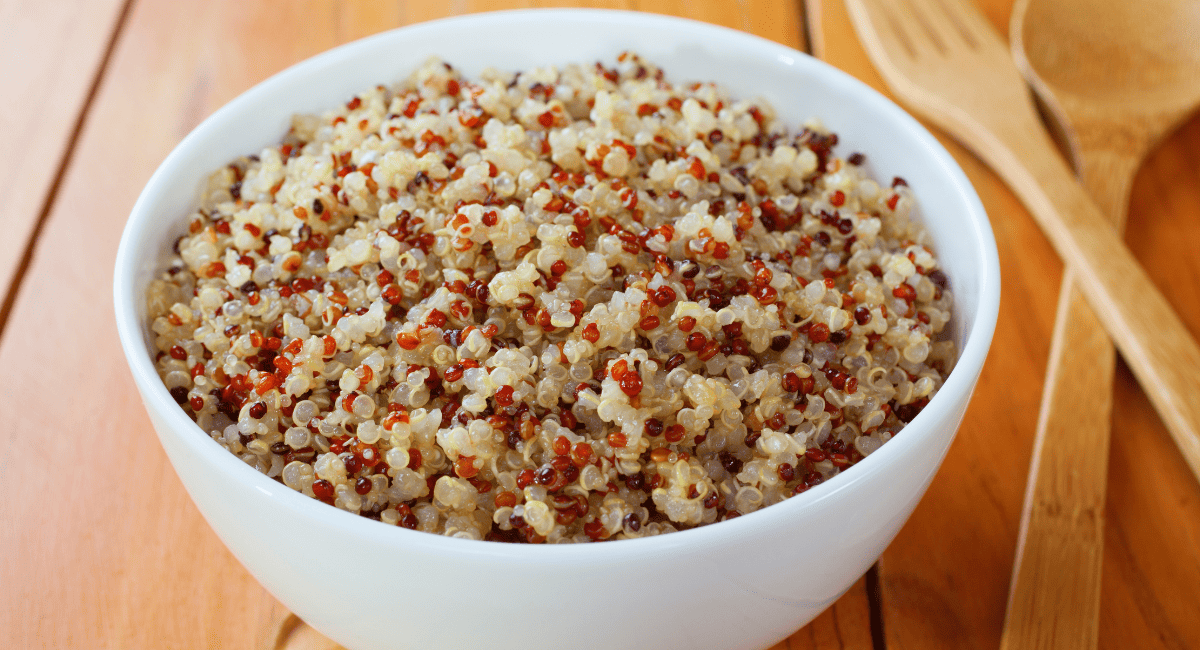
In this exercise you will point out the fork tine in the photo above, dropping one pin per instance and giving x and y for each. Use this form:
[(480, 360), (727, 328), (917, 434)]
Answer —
[(976, 21), (939, 81), (959, 23), (949, 26), (969, 22), (929, 19), (897, 28)]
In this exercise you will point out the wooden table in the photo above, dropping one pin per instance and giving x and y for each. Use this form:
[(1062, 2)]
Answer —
[(101, 548)]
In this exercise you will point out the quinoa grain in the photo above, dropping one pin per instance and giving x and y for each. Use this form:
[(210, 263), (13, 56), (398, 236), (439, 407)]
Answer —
[(561, 305)]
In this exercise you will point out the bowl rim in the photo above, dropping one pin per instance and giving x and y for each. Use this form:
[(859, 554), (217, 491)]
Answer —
[(959, 384)]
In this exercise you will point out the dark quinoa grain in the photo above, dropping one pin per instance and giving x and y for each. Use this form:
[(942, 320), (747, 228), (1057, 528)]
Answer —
[(559, 336)]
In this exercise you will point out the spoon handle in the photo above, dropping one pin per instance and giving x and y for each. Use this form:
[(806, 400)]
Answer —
[(1152, 339), (1054, 599)]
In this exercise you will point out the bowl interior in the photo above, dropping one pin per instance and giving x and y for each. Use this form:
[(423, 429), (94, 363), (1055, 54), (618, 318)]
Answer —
[(798, 87)]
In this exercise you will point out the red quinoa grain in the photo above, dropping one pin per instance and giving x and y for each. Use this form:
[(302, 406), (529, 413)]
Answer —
[(485, 337)]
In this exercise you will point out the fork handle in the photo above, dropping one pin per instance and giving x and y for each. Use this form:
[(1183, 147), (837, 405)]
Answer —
[(1153, 340)]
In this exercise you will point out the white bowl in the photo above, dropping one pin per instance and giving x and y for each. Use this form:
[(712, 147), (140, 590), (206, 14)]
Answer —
[(745, 583)]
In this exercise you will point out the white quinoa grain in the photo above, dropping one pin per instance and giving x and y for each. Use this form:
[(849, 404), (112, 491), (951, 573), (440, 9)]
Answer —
[(559, 305)]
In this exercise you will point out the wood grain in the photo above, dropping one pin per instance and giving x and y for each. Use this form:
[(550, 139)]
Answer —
[(945, 576), (1054, 599), (1150, 595), (771, 19), (109, 551), (51, 54)]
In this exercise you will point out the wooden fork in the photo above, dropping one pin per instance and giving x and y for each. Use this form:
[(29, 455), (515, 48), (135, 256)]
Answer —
[(945, 61)]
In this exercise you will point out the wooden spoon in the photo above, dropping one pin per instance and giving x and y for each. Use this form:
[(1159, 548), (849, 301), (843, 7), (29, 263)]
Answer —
[(1117, 76)]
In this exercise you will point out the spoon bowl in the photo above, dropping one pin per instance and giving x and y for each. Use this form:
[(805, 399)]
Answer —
[(1115, 53), (1124, 67)]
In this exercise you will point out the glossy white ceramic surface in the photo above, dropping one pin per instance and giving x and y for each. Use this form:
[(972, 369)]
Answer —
[(745, 583)]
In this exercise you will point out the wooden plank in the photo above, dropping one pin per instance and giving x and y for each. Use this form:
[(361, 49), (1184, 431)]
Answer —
[(846, 625), (51, 55), (110, 552), (778, 21), (961, 538)]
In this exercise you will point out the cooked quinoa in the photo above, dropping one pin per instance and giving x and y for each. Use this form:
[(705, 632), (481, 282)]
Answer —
[(559, 305)]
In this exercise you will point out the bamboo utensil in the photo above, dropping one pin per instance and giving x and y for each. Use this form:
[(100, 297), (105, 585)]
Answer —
[(949, 64), (1116, 78)]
